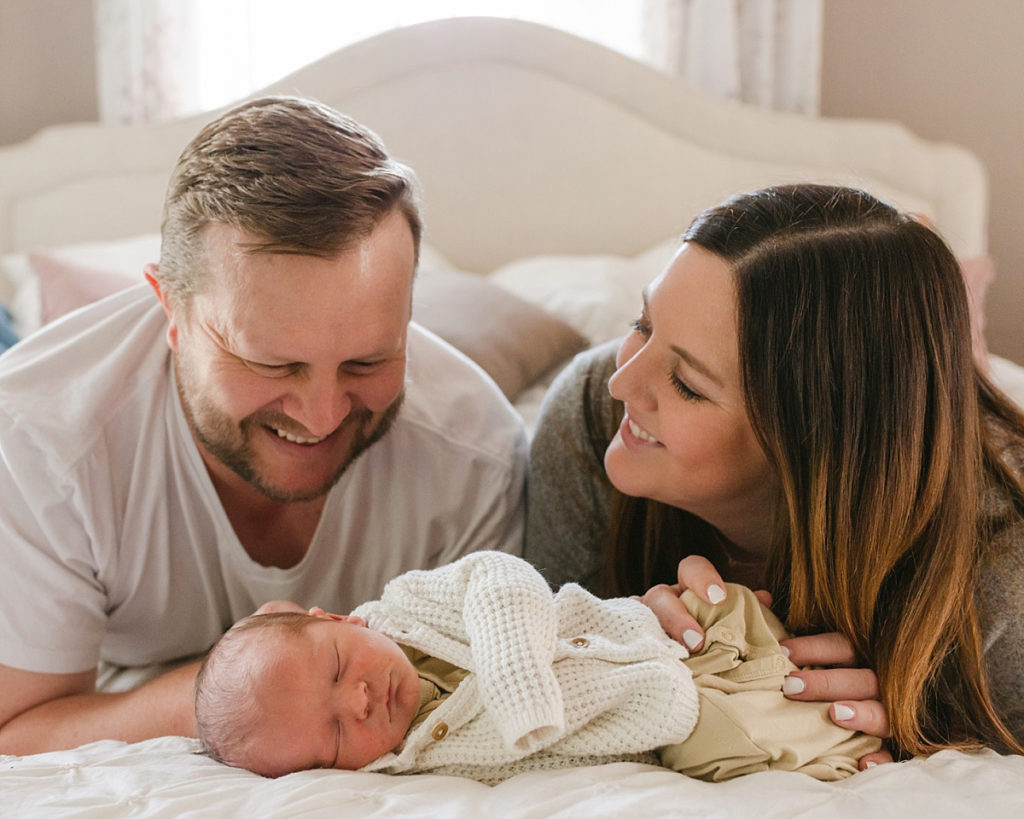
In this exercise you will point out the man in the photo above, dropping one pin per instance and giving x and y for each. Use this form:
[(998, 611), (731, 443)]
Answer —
[(299, 439)]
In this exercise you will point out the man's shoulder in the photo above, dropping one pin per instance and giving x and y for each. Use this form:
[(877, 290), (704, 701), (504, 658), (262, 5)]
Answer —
[(78, 373)]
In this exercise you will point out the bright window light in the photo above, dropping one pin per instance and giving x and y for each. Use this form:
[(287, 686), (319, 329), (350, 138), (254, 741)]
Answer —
[(247, 44)]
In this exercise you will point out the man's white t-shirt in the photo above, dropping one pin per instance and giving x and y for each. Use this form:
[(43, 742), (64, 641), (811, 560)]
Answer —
[(115, 545)]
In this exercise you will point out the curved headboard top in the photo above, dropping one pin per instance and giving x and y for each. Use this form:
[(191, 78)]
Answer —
[(527, 141)]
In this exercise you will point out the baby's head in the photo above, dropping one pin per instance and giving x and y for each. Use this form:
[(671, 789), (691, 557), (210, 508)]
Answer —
[(285, 692)]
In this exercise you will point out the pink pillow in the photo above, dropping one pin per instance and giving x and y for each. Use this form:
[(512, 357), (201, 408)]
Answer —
[(978, 274), (65, 286)]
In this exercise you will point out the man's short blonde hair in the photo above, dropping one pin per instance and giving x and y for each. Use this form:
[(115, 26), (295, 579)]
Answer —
[(294, 173)]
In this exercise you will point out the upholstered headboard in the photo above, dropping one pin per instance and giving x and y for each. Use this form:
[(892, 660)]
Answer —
[(527, 141)]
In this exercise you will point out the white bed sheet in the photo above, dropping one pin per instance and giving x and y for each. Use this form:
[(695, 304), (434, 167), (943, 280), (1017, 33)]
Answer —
[(166, 777)]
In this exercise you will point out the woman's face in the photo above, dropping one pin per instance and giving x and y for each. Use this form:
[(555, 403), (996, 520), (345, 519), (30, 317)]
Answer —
[(686, 439)]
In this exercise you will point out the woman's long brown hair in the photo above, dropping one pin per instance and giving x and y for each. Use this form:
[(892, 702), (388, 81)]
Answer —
[(855, 349)]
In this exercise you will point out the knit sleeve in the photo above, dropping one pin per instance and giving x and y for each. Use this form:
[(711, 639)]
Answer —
[(512, 626), (568, 492), (501, 606), (1001, 608)]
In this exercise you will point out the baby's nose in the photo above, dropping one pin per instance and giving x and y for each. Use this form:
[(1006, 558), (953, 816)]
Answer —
[(361, 700)]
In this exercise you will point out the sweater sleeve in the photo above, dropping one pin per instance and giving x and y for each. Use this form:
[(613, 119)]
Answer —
[(1001, 608), (568, 492), (501, 606), (512, 627)]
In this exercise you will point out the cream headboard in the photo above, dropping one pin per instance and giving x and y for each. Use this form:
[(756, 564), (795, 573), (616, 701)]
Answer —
[(527, 141)]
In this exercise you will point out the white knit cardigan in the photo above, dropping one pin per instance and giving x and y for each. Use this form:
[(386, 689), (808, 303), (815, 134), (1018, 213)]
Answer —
[(556, 680)]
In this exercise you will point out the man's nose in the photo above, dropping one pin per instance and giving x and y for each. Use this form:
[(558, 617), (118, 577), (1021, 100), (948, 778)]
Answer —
[(320, 405)]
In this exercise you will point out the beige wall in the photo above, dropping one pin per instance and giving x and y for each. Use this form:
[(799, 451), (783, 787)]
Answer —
[(47, 67), (950, 70)]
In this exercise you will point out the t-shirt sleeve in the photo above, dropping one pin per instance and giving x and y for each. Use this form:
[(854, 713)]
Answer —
[(568, 492), (52, 618)]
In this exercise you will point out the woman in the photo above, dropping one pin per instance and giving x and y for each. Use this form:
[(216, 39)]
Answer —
[(797, 409)]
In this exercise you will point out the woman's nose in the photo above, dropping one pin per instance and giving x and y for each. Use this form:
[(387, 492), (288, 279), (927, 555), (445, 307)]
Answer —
[(628, 383)]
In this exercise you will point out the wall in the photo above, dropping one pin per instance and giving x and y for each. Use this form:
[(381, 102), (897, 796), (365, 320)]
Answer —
[(47, 68), (949, 70)]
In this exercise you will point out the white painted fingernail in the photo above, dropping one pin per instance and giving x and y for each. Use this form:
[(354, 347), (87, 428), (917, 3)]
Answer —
[(691, 639), (870, 764), (792, 685), (716, 594), (785, 650), (842, 712)]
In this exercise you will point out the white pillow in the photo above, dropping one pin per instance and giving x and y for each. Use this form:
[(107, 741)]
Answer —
[(598, 295)]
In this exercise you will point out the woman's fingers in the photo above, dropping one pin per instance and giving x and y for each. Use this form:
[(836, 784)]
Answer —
[(700, 576), (853, 692), (867, 716), (871, 760), (674, 617), (830, 685), (697, 573), (821, 649)]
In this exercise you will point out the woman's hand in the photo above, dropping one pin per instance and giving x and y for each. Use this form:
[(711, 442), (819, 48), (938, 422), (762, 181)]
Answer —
[(852, 691), (694, 573)]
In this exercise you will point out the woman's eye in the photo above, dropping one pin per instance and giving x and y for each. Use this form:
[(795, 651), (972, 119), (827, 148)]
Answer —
[(683, 388), (640, 326)]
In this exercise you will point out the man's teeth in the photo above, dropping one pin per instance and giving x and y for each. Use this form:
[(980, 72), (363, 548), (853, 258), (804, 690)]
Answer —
[(641, 433), (298, 439)]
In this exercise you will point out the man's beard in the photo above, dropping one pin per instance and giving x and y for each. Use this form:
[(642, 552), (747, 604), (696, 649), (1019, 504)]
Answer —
[(228, 441)]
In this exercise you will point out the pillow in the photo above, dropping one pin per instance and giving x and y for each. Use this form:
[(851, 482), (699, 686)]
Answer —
[(8, 336), (514, 341), (65, 286), (978, 273), (75, 275), (599, 295)]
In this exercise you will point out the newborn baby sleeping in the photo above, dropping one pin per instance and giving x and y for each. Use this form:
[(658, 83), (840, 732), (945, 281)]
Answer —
[(477, 669)]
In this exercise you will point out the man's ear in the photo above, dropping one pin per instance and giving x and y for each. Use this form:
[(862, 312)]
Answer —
[(166, 303)]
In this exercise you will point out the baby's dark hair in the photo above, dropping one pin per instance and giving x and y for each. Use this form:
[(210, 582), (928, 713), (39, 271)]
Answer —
[(226, 708)]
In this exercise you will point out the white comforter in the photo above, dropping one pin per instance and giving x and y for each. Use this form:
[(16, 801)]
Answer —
[(166, 777)]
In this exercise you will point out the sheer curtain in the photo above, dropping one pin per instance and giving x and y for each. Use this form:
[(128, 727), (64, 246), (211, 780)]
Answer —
[(163, 58), (761, 52), (147, 64)]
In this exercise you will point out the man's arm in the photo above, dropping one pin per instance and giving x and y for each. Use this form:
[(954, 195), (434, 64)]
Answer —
[(48, 712)]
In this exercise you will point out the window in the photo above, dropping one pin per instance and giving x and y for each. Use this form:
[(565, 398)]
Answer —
[(243, 45)]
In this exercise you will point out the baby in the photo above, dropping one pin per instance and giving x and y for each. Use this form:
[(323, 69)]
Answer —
[(476, 669)]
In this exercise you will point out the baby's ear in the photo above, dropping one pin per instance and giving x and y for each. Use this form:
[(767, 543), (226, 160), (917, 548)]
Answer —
[(316, 611)]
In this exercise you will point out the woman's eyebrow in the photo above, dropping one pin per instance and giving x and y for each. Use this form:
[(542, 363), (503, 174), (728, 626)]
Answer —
[(697, 364), (688, 357)]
